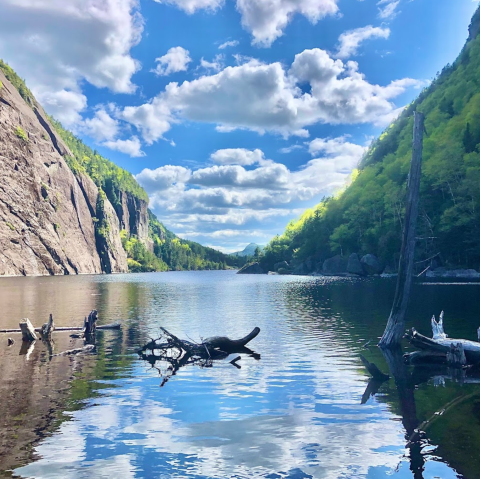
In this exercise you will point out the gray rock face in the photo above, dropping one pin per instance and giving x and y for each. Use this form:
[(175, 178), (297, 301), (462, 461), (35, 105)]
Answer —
[(281, 265), (46, 224), (354, 266), (133, 216), (371, 264), (253, 268), (334, 266)]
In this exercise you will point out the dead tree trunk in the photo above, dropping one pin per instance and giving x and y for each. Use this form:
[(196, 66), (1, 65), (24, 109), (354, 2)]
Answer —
[(396, 322), (28, 331), (47, 329)]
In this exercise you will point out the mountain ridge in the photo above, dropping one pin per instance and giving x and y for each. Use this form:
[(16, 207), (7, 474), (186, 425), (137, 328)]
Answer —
[(71, 192), (367, 216)]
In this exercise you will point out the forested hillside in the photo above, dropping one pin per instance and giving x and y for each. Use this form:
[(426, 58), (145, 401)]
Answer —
[(148, 244), (367, 216), (169, 252)]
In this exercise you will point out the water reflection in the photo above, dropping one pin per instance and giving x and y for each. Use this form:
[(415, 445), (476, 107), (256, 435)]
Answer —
[(296, 413)]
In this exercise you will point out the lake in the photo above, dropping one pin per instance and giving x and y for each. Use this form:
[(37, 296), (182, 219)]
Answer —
[(294, 413)]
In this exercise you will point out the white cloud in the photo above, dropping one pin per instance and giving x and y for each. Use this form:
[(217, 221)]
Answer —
[(215, 65), (102, 126), (175, 60), (130, 147), (267, 19), (198, 200), (387, 9), (266, 97), (231, 43), (351, 40), (56, 44), (289, 149), (238, 156), (191, 6)]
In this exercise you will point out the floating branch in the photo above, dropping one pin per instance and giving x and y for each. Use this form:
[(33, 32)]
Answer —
[(174, 353)]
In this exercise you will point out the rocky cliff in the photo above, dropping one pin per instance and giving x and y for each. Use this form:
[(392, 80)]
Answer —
[(51, 221)]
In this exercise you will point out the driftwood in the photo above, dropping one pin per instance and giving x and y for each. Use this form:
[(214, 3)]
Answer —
[(115, 325), (27, 330), (47, 329), (175, 353), (456, 351)]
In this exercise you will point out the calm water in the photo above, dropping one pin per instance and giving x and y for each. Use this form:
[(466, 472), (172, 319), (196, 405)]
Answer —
[(295, 413)]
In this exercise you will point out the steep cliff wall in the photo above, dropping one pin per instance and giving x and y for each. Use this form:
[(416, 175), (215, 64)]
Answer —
[(133, 215), (46, 214)]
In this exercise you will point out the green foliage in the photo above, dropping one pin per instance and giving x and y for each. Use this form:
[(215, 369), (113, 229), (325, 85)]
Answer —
[(20, 132), (18, 83), (173, 253), (368, 216), (106, 175)]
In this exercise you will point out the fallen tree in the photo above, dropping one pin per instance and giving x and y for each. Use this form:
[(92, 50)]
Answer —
[(442, 348), (173, 353)]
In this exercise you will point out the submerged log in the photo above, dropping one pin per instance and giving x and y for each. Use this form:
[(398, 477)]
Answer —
[(443, 345), (175, 353), (115, 325), (27, 330), (71, 352)]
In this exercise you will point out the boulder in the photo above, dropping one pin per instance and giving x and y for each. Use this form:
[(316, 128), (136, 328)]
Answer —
[(280, 265), (284, 271), (335, 266), (253, 268), (371, 264), (354, 266), (301, 269)]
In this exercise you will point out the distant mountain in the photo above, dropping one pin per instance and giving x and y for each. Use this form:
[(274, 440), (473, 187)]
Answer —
[(249, 250)]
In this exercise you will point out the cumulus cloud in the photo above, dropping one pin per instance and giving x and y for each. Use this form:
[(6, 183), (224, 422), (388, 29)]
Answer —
[(387, 9), (231, 43), (267, 97), (56, 45), (174, 61), (130, 147), (215, 65), (266, 20), (244, 188), (102, 126), (350, 41), (238, 156), (191, 6)]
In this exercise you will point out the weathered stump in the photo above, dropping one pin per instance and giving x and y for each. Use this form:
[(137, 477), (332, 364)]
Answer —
[(47, 329), (28, 331)]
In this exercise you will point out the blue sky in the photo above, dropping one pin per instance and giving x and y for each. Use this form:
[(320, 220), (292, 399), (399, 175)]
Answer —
[(235, 115)]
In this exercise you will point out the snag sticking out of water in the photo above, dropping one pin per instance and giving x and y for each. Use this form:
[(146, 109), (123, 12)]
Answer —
[(175, 353)]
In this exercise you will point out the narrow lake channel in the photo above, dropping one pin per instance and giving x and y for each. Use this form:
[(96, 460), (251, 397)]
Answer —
[(294, 413)]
